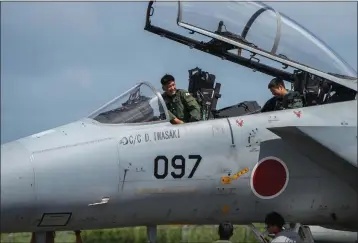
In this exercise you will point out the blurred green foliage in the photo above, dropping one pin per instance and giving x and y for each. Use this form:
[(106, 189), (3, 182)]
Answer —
[(166, 234)]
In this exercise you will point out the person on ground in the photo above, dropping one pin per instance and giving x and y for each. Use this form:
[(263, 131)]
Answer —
[(274, 224), (225, 231)]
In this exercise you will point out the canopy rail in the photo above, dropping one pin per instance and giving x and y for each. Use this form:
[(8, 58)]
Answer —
[(222, 42), (212, 49)]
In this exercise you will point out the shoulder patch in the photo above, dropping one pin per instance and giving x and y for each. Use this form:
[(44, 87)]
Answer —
[(183, 92)]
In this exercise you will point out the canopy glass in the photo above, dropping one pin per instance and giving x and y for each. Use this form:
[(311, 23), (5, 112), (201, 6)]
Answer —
[(266, 29), (140, 104)]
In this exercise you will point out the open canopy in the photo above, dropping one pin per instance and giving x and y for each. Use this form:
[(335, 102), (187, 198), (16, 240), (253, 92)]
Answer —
[(262, 30), (140, 104), (266, 29), (259, 29)]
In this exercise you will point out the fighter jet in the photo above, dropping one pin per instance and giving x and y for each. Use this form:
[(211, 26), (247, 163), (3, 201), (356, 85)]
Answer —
[(127, 165)]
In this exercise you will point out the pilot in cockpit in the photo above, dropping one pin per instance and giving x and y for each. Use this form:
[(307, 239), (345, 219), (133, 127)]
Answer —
[(182, 106), (283, 98)]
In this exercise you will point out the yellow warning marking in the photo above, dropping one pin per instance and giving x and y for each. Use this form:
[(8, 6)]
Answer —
[(226, 180), (229, 179), (225, 209), (242, 172)]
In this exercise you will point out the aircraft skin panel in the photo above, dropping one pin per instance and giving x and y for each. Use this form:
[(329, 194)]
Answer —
[(68, 179), (344, 143), (324, 235), (17, 185), (119, 162), (96, 164), (311, 192), (205, 143), (320, 154), (74, 133), (306, 178)]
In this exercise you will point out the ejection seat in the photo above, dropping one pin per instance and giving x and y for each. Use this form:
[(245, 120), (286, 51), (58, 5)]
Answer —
[(315, 90), (201, 86)]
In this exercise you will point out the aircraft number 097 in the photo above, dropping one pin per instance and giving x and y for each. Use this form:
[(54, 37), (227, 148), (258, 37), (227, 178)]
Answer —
[(178, 163)]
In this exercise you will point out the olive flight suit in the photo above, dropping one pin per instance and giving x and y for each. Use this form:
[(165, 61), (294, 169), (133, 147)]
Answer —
[(291, 100), (182, 105)]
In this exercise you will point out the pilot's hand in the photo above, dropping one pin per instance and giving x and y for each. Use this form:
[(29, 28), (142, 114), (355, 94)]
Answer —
[(180, 122), (177, 121)]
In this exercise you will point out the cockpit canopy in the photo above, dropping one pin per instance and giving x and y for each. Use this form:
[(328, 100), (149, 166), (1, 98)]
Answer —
[(253, 31), (140, 104), (265, 28)]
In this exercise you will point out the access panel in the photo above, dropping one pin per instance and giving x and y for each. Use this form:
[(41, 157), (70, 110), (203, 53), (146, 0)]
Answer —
[(166, 164)]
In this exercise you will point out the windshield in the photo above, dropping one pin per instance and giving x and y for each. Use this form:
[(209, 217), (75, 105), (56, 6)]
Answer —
[(261, 27), (142, 103)]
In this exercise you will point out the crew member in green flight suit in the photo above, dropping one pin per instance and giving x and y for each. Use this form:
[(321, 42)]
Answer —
[(282, 98), (182, 106)]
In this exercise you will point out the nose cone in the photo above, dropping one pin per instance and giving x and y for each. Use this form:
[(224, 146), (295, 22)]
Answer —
[(17, 185)]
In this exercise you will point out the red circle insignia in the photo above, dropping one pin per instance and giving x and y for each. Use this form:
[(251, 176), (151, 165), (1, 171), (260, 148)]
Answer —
[(269, 178)]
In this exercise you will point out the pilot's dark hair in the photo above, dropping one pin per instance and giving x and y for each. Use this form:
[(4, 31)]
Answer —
[(275, 219), (166, 79), (275, 83), (226, 230)]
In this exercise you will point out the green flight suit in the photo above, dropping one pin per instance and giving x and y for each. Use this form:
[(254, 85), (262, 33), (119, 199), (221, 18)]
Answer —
[(291, 100), (183, 106)]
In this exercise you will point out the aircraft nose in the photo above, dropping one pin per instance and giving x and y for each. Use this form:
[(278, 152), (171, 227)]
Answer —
[(17, 185)]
